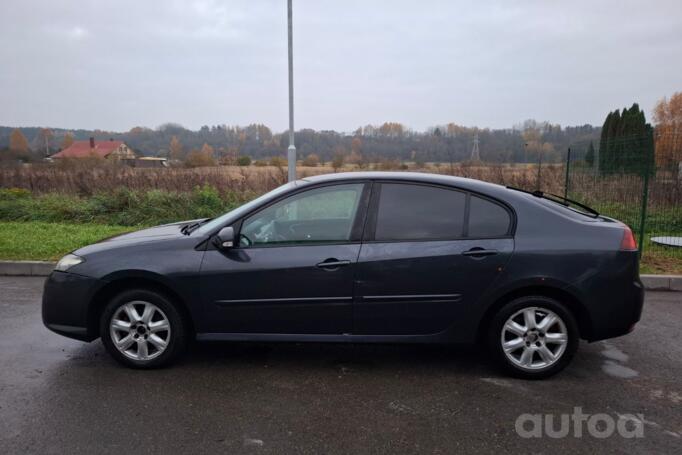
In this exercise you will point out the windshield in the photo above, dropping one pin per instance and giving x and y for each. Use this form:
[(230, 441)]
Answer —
[(242, 209)]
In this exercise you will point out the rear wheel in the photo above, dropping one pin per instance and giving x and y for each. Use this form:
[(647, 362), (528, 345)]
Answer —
[(533, 337), (142, 329)]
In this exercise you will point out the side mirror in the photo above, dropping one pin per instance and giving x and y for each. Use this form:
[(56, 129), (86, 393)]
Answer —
[(226, 237)]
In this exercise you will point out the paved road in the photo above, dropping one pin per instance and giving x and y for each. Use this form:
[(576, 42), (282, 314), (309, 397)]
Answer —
[(63, 396)]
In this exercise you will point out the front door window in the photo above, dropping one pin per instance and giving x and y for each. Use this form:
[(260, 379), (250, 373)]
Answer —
[(321, 215)]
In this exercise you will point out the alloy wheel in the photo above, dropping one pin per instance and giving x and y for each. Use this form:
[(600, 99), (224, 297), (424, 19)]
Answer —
[(140, 330), (534, 338)]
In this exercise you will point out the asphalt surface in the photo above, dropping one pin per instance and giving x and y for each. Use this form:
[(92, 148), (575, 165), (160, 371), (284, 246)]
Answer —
[(63, 396)]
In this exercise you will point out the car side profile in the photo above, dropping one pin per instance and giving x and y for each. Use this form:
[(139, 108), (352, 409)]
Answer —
[(361, 257)]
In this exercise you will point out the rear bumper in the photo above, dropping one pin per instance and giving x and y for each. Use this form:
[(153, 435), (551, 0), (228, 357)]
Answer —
[(65, 304), (617, 314)]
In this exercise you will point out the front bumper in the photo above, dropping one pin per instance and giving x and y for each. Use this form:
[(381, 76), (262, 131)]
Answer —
[(66, 297)]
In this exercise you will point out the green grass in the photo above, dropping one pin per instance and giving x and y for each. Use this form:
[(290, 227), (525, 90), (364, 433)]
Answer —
[(49, 241), (660, 259), (120, 207)]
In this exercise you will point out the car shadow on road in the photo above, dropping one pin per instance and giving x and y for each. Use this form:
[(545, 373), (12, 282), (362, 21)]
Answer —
[(342, 355), (343, 358), (312, 358)]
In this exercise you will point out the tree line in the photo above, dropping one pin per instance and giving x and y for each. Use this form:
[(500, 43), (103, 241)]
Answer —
[(625, 142), (450, 142)]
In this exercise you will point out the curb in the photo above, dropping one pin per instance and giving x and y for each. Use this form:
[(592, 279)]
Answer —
[(662, 282), (44, 268), (26, 268)]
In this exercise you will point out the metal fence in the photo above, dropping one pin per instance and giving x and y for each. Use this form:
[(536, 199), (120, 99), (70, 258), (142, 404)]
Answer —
[(637, 184)]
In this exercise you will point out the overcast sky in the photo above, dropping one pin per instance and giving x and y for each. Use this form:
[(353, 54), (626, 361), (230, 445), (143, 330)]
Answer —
[(118, 64)]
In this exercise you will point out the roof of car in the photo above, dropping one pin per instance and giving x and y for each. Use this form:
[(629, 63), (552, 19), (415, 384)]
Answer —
[(423, 177)]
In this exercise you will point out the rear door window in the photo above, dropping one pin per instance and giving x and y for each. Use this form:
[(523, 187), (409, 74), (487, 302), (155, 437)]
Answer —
[(419, 212)]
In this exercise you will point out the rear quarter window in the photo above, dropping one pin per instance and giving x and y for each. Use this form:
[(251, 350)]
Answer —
[(487, 218)]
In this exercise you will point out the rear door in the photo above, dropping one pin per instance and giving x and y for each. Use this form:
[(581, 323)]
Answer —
[(429, 252)]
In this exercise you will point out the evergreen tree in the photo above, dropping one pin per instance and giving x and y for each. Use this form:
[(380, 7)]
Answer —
[(626, 148), (610, 159), (626, 143), (589, 157), (604, 142)]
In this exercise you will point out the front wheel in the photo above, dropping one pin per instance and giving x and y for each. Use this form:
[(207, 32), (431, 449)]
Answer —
[(142, 329), (533, 337)]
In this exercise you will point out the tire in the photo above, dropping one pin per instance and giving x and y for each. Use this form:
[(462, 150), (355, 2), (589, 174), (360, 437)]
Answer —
[(143, 318), (534, 350)]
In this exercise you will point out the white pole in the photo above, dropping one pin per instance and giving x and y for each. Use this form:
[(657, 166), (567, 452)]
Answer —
[(291, 151)]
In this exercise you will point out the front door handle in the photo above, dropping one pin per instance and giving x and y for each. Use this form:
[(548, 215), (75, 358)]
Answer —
[(478, 252), (332, 264)]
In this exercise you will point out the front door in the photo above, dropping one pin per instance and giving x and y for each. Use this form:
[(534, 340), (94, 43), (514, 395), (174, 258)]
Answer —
[(292, 271), (429, 253)]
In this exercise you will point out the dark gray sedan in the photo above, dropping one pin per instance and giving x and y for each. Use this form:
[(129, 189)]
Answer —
[(361, 257)]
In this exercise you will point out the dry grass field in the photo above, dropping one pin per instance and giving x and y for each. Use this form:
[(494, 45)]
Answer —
[(88, 180)]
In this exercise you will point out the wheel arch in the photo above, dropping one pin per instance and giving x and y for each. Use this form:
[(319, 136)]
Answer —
[(121, 283), (572, 302)]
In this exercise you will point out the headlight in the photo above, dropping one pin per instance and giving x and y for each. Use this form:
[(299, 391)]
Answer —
[(68, 261)]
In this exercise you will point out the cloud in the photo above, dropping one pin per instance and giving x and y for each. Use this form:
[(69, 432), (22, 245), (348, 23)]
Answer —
[(116, 64), (77, 33)]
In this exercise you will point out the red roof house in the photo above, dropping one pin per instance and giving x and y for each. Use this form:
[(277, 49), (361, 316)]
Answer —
[(103, 149)]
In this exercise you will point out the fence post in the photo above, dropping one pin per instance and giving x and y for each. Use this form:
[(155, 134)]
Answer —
[(539, 169), (648, 168), (568, 167)]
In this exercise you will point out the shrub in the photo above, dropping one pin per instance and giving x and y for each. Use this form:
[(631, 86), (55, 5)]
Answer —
[(278, 161), (337, 162), (244, 160), (311, 160), (200, 158), (389, 165), (207, 201)]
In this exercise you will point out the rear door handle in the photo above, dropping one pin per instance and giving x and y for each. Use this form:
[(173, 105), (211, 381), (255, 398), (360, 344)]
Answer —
[(479, 252), (332, 263)]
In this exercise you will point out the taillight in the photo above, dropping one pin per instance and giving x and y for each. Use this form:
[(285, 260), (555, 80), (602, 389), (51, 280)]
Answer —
[(628, 243)]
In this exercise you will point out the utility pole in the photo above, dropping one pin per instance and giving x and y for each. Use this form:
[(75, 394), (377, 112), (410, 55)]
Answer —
[(291, 151), (539, 168), (475, 154), (568, 170)]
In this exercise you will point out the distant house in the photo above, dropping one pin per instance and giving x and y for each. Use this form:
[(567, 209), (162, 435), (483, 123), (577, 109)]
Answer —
[(103, 149)]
